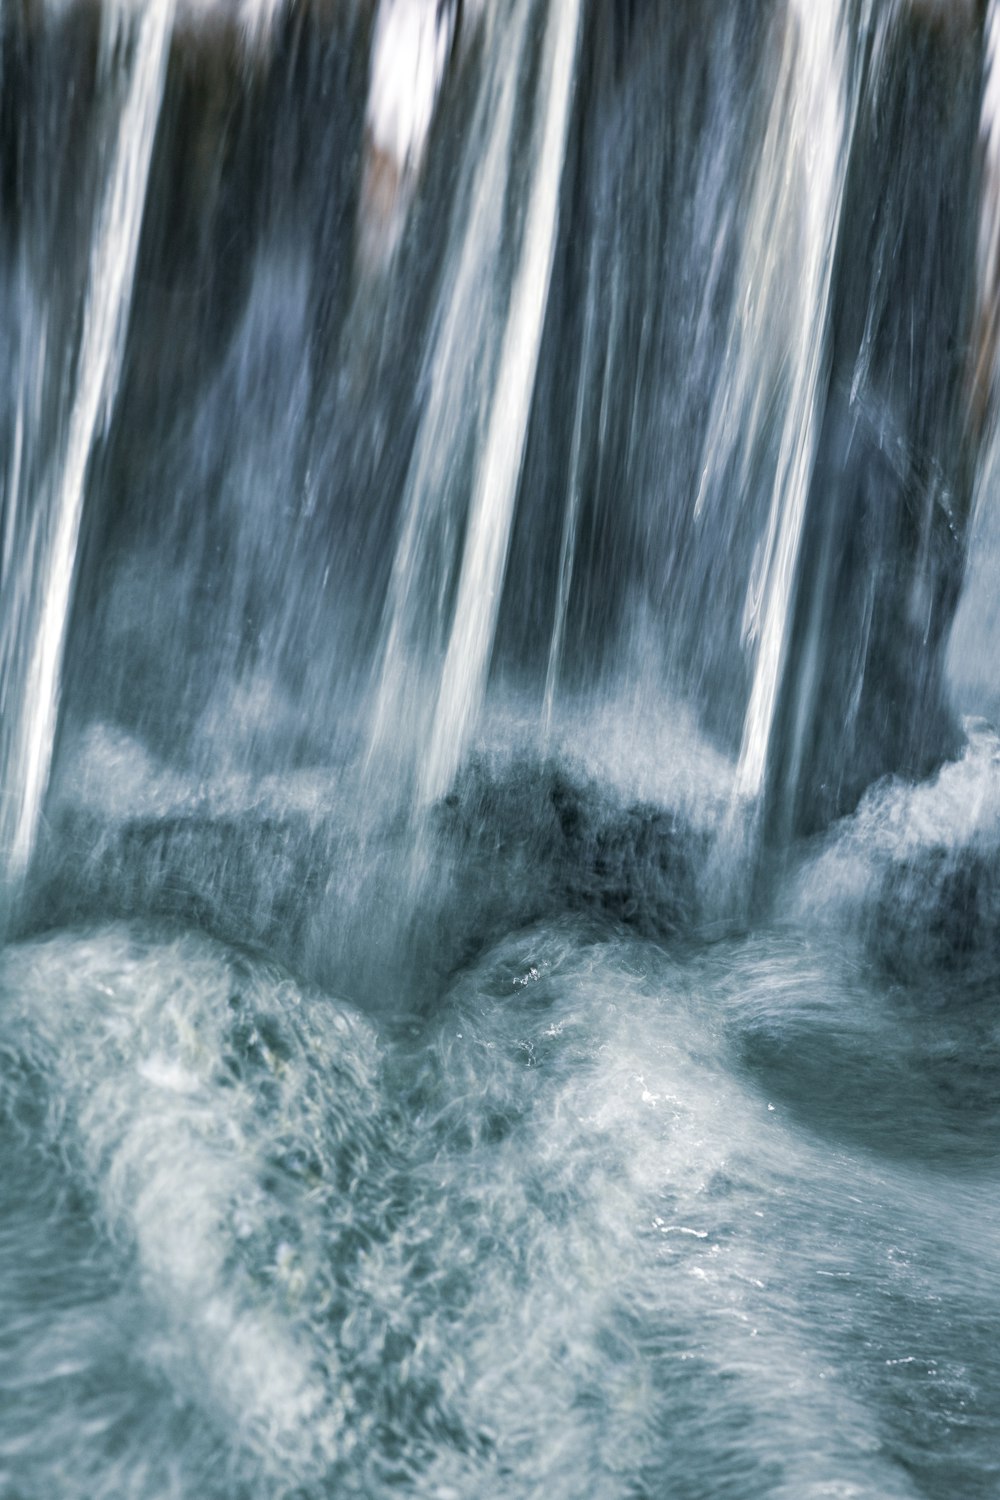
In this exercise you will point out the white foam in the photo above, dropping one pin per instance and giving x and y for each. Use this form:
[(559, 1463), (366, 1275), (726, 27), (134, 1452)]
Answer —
[(957, 809), (179, 1151)]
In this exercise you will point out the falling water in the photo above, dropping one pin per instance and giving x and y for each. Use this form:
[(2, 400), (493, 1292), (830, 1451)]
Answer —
[(498, 450), (460, 379), (776, 350), (501, 786), (466, 662), (571, 520), (972, 649), (41, 532)]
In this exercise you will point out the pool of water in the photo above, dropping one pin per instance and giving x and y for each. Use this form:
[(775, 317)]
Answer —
[(594, 1209)]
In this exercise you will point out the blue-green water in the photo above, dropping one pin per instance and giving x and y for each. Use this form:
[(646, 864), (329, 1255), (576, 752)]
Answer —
[(601, 1215), (499, 874)]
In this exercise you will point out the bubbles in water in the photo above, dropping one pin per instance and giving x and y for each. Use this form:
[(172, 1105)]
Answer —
[(485, 482)]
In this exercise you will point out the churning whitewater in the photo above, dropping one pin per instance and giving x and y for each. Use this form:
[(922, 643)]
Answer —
[(499, 766)]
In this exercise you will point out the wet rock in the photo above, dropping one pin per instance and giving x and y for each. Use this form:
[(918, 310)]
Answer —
[(352, 905), (937, 915), (883, 550)]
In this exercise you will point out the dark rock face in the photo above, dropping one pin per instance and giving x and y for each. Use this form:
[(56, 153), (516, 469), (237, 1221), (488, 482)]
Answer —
[(884, 545), (581, 848), (938, 916), (518, 841)]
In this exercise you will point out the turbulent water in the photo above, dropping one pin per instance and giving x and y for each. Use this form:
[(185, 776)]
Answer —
[(500, 821)]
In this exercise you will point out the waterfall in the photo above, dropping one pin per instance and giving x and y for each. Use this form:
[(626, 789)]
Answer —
[(776, 348), (463, 677), (459, 384), (38, 578), (499, 381), (500, 860), (571, 518), (975, 638)]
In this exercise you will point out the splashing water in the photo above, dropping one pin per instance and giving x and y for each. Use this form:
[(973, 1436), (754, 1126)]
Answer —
[(498, 984)]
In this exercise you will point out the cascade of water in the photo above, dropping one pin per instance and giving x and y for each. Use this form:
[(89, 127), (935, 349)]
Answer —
[(776, 343), (258, 18), (973, 644), (458, 374), (322, 1122), (38, 577), (571, 516), (411, 47), (466, 664), (474, 378), (988, 247), (805, 152)]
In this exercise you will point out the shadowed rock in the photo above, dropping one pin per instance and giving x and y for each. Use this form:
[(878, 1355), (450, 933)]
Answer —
[(351, 907)]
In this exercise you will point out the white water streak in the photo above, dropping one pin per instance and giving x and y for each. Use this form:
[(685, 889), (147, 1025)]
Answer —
[(413, 39), (809, 147), (803, 173), (258, 19), (463, 679), (36, 629), (458, 374), (975, 637), (988, 244), (777, 342), (571, 517)]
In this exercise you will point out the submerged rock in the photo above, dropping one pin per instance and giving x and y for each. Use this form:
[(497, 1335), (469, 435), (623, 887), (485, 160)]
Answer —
[(516, 841), (938, 914), (915, 874)]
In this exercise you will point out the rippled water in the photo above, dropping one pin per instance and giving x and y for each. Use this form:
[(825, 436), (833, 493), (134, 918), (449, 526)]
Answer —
[(592, 1214), (498, 914)]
